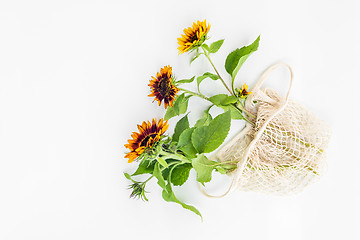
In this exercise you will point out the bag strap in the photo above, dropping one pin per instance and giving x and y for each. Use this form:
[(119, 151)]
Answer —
[(265, 75), (241, 164)]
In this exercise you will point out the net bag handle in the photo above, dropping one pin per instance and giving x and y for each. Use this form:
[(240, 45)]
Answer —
[(256, 89)]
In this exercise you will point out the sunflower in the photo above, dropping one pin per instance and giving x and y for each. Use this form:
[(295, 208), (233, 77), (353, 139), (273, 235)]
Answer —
[(163, 87), (194, 36), (149, 134), (243, 92)]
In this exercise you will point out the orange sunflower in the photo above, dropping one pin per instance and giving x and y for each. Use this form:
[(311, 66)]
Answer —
[(243, 92), (149, 134), (163, 87), (194, 36)]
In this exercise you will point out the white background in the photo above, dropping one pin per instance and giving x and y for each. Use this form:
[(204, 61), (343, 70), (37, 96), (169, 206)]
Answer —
[(73, 86)]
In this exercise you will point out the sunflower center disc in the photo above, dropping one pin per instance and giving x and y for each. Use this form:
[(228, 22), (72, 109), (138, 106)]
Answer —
[(193, 38), (146, 139), (164, 86)]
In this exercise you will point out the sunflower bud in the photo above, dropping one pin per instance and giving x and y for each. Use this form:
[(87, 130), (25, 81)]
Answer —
[(138, 191)]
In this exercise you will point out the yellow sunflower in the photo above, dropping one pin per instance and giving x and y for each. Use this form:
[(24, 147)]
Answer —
[(163, 87), (194, 36), (243, 92), (149, 134)]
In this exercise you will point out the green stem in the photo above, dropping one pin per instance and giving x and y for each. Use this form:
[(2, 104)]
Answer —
[(226, 162), (204, 97), (148, 179), (239, 110), (232, 84), (174, 156), (242, 108), (194, 93), (212, 64)]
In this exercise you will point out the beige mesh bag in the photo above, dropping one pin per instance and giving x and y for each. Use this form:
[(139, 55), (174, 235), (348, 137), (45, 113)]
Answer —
[(283, 151)]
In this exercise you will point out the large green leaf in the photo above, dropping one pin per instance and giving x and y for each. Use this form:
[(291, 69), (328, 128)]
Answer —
[(181, 126), (203, 167), (208, 138), (222, 99), (205, 120), (235, 59), (180, 174), (235, 113)]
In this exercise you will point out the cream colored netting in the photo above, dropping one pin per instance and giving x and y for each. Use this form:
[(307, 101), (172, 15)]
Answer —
[(284, 151)]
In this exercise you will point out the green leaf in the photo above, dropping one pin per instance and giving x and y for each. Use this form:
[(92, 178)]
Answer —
[(194, 58), (162, 162), (180, 107), (144, 167), (180, 174), (206, 47), (228, 166), (170, 113), (159, 176), (128, 176), (222, 99), (235, 59), (185, 145), (186, 80), (208, 138), (205, 120), (235, 113), (165, 173), (203, 167), (206, 75), (215, 46), (181, 125), (169, 196), (167, 193), (178, 102), (220, 169)]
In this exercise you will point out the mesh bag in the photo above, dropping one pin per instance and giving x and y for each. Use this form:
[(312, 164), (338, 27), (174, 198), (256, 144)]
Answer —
[(283, 151)]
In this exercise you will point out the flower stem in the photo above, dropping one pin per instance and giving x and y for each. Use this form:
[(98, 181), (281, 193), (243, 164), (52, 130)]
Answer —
[(148, 179), (204, 97), (194, 93), (226, 162), (242, 108), (239, 110), (173, 156), (212, 64)]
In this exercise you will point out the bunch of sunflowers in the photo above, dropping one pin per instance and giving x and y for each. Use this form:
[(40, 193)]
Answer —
[(169, 159)]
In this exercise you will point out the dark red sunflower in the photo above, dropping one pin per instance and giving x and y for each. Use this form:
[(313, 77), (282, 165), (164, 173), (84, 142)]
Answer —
[(149, 133), (163, 87)]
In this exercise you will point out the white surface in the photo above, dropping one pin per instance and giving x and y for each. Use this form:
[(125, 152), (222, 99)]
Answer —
[(73, 86)]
